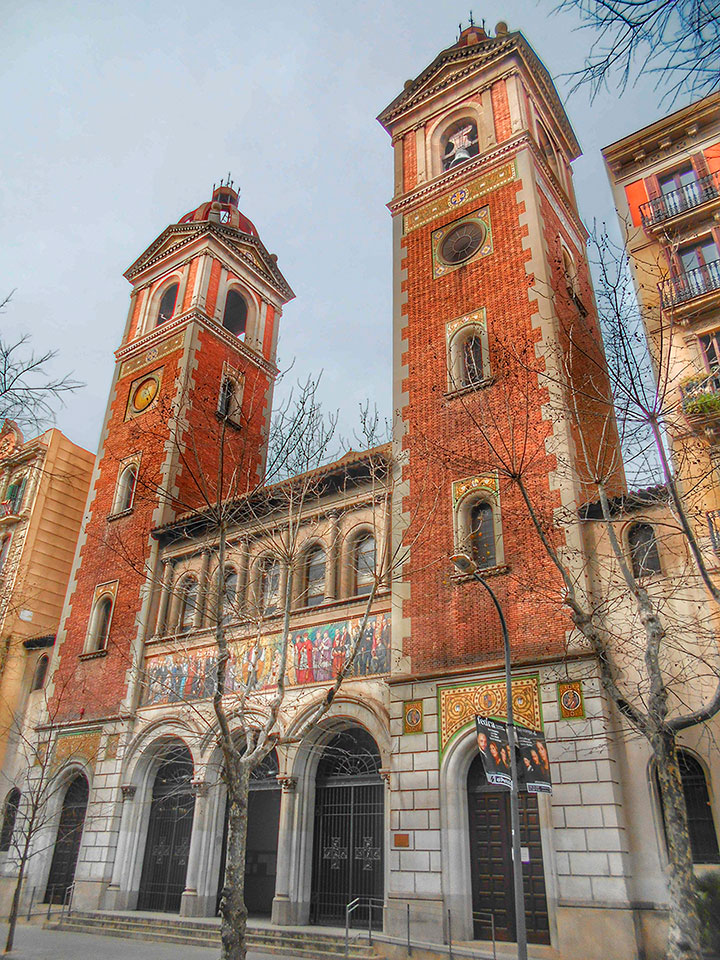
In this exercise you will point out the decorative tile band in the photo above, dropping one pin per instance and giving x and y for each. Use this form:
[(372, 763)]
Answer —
[(486, 481), (78, 746), (489, 181), (478, 317), (160, 350), (458, 705)]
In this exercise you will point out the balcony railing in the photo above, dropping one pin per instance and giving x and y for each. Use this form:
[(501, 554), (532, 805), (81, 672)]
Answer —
[(685, 198), (713, 519), (691, 283), (701, 396)]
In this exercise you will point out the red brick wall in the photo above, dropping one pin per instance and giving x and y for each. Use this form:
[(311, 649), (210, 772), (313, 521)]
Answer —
[(454, 625), (501, 111), (409, 161), (213, 284)]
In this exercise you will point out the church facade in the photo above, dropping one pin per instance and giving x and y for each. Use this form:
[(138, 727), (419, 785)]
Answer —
[(384, 799)]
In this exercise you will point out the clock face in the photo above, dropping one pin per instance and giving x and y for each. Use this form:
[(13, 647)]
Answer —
[(145, 393)]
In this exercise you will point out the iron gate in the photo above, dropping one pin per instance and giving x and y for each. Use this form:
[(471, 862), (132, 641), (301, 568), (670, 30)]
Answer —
[(168, 839), (67, 843), (349, 830)]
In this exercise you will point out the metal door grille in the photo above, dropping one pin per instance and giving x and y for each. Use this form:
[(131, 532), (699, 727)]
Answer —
[(168, 840), (349, 830), (67, 843)]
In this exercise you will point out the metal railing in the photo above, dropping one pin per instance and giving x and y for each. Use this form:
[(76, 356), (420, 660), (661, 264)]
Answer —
[(686, 197), (372, 903), (478, 916), (691, 283), (713, 521)]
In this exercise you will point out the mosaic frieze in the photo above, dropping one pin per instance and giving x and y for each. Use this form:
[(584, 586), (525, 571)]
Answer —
[(83, 745), (487, 482), (459, 705), (152, 354), (457, 199), (314, 655)]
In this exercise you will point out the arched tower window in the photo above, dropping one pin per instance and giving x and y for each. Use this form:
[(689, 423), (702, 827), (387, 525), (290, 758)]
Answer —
[(482, 534), (314, 592), (167, 304), (41, 667), (701, 826), (12, 805), (126, 488), (472, 360), (188, 604), (459, 143), (548, 149), (364, 564), (235, 314), (643, 550), (100, 624)]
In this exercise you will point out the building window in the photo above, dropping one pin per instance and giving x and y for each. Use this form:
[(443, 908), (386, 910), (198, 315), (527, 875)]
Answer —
[(472, 361), (314, 592), (15, 494), (230, 595), (188, 604), (710, 345), (100, 624), (548, 149), (10, 812), (701, 827), (679, 190), (127, 483), (643, 550), (482, 534), (4, 550), (231, 395), (41, 667), (364, 564), (235, 314), (700, 264), (460, 143), (570, 273), (269, 585), (167, 304)]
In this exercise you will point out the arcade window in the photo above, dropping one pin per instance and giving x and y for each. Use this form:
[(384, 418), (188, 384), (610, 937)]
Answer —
[(269, 585), (230, 594), (188, 604), (314, 592), (364, 564), (41, 668)]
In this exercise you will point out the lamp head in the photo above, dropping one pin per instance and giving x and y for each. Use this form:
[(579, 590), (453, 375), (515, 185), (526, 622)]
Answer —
[(464, 563)]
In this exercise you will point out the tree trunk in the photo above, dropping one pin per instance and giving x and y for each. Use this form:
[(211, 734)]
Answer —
[(14, 909), (684, 933), (233, 911)]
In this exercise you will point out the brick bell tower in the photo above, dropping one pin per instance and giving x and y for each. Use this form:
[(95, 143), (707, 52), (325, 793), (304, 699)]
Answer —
[(489, 265), (196, 362)]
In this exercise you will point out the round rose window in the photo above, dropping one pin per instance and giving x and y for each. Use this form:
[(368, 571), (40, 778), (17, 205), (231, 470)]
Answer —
[(462, 242)]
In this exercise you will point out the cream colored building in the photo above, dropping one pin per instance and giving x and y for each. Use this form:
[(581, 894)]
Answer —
[(44, 483)]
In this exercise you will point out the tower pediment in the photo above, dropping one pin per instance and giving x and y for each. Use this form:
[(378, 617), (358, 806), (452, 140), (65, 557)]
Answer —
[(248, 248)]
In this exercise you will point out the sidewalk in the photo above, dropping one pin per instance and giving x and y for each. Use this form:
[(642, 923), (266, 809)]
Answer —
[(34, 943)]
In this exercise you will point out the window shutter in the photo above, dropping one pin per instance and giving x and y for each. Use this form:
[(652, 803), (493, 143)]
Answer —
[(652, 185), (700, 165)]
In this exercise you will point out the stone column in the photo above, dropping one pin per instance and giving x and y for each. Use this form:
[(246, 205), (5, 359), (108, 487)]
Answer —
[(282, 908), (199, 614), (331, 561), (165, 593), (191, 904), (116, 897)]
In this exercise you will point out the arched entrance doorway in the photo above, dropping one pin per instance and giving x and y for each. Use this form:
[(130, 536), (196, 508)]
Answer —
[(168, 837), (262, 839), (349, 828), (67, 843), (491, 867)]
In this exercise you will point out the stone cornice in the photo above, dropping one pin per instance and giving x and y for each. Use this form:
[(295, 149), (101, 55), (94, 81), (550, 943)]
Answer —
[(176, 324)]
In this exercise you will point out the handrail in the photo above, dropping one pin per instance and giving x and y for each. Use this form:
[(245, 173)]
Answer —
[(67, 901), (372, 903), (691, 283)]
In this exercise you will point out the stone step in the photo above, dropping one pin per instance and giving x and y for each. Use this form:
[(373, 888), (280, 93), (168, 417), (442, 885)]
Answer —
[(199, 933)]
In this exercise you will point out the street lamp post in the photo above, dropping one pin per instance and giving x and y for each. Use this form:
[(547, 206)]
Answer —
[(467, 565)]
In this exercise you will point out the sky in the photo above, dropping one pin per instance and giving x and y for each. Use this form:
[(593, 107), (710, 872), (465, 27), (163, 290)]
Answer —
[(119, 117)]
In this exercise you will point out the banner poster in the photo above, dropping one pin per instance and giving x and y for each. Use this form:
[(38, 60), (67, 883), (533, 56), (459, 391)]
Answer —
[(533, 759), (492, 741), (314, 654)]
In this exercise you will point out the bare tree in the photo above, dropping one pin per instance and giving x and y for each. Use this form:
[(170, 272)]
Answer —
[(300, 484), (678, 41), (652, 637), (28, 395)]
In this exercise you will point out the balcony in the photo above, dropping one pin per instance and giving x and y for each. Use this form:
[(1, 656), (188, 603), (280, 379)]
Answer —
[(691, 284), (701, 403), (685, 198)]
